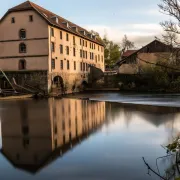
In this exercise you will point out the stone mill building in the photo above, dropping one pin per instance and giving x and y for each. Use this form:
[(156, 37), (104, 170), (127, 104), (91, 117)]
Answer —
[(42, 48)]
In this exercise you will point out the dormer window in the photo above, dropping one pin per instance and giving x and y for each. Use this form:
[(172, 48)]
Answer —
[(83, 32), (56, 19), (90, 35), (66, 24), (22, 34), (74, 28), (94, 37)]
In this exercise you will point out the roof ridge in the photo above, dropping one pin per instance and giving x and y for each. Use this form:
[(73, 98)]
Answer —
[(30, 2), (34, 6), (122, 60), (19, 5)]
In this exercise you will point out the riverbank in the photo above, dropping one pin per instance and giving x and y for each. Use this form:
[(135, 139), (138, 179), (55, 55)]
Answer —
[(151, 99), (124, 98), (20, 97)]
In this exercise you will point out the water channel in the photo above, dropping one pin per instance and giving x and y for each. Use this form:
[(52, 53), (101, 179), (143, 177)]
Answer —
[(95, 139)]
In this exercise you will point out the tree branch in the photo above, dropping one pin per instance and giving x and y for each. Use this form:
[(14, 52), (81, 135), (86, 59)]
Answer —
[(149, 168)]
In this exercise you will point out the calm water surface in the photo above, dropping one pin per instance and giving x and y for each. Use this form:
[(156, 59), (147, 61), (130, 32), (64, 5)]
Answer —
[(79, 139)]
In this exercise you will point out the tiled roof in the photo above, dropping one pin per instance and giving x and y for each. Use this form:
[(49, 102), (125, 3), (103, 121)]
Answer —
[(25, 5), (128, 53), (138, 51), (48, 16)]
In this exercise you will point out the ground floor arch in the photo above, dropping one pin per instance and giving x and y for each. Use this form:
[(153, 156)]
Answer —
[(58, 82), (58, 85), (84, 84)]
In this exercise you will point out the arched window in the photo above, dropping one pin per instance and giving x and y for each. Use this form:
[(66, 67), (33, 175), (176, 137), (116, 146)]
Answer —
[(22, 64), (22, 48), (22, 34)]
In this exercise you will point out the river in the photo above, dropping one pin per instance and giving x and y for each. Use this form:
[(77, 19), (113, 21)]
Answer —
[(96, 139)]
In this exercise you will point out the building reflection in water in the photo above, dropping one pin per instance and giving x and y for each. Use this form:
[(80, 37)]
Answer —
[(36, 133)]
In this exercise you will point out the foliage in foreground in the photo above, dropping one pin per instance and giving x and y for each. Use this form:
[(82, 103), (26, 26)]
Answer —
[(173, 171)]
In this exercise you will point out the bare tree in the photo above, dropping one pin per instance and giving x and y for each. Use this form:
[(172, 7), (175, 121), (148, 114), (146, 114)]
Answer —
[(172, 9), (126, 43), (171, 27), (170, 38)]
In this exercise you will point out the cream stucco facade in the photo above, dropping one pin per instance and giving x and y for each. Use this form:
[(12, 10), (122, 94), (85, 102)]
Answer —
[(78, 65), (36, 42)]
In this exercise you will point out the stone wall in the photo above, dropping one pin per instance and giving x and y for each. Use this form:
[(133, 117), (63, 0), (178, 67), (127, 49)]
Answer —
[(71, 81), (141, 66), (36, 79), (44, 80)]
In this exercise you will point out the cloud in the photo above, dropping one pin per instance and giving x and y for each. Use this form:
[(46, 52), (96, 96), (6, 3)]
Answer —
[(154, 12), (145, 12), (140, 34), (149, 27)]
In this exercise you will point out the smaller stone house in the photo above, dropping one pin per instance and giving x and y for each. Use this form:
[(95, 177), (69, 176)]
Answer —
[(145, 57)]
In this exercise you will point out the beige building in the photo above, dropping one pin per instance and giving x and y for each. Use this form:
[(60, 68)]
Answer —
[(37, 45), (142, 60), (43, 131)]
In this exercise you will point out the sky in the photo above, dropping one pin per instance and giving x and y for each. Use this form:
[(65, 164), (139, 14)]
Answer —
[(138, 19)]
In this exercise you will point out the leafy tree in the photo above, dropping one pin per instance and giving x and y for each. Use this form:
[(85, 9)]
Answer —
[(94, 33), (111, 53)]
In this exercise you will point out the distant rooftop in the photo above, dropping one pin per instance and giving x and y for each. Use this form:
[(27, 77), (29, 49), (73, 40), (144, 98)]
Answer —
[(128, 53)]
